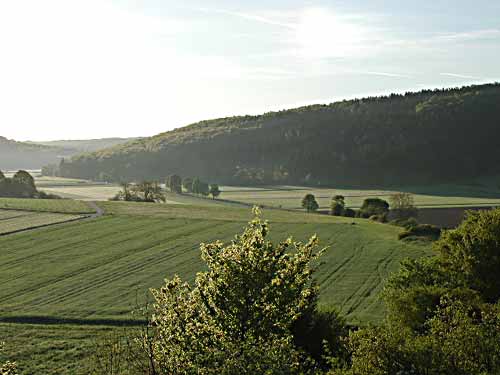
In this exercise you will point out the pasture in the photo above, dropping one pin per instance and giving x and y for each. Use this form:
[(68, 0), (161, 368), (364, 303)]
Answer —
[(46, 205), (289, 197), (12, 221), (98, 271)]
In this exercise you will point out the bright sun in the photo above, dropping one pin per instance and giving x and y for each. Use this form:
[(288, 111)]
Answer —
[(322, 34)]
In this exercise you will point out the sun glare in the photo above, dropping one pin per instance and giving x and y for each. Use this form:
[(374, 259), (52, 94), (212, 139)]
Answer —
[(320, 33)]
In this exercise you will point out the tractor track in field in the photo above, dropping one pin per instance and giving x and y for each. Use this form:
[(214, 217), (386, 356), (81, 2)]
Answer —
[(98, 213)]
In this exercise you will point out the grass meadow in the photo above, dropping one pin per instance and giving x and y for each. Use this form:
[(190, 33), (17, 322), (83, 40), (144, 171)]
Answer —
[(91, 274)]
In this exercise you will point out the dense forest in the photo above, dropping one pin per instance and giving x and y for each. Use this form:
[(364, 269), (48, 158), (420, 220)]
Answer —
[(429, 136)]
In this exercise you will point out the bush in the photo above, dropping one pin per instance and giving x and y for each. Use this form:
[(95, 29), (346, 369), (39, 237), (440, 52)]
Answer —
[(320, 333), (428, 231), (373, 206), (349, 212), (405, 223), (44, 195), (381, 218), (239, 315)]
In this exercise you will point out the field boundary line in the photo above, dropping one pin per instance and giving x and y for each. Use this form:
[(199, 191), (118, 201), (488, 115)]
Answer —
[(45, 225)]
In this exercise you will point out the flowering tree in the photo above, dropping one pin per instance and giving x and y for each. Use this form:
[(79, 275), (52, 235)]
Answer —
[(238, 315)]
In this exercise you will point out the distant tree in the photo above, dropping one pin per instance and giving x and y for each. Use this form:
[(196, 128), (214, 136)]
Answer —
[(104, 177), (151, 191), (200, 187), (337, 205), (21, 185), (174, 183), (187, 184), (403, 206), (349, 212), (24, 178), (214, 190), (238, 316), (2, 176), (204, 189), (196, 186), (374, 207), (51, 170), (309, 203)]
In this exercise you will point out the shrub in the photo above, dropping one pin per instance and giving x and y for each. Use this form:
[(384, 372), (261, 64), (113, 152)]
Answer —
[(238, 317), (349, 212), (373, 206), (428, 231), (381, 218)]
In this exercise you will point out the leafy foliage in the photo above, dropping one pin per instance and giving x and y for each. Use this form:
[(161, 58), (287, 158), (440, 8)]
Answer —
[(427, 231), (214, 190), (145, 191), (374, 207), (309, 203), (414, 138), (238, 316), (337, 205), (7, 368), (443, 312), (21, 185)]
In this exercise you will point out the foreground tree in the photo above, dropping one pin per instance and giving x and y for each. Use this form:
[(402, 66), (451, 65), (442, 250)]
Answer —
[(309, 203), (238, 316), (2, 176), (7, 368), (214, 191), (443, 311)]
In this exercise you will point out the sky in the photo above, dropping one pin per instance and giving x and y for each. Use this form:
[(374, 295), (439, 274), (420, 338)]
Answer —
[(81, 69)]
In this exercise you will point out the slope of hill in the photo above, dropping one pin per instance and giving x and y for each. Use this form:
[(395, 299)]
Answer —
[(23, 155), (35, 155), (429, 136), (87, 145)]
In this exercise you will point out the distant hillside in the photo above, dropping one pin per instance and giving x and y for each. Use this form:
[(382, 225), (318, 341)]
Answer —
[(35, 155), (22, 155), (429, 136), (87, 145)]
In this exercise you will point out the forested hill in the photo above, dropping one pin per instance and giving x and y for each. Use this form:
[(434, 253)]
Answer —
[(23, 155), (429, 136), (86, 145)]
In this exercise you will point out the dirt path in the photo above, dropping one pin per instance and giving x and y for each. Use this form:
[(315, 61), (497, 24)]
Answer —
[(98, 210)]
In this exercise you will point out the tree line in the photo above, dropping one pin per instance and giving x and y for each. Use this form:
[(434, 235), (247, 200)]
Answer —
[(151, 191), (415, 138)]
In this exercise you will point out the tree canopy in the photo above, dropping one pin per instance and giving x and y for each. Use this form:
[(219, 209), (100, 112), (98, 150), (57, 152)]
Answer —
[(238, 316), (415, 138)]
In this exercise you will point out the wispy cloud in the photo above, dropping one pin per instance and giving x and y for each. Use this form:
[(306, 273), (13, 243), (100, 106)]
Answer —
[(454, 75), (384, 74), (250, 17), (470, 35)]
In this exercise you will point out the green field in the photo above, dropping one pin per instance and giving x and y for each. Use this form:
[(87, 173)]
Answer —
[(435, 196), (12, 221), (46, 205), (98, 270)]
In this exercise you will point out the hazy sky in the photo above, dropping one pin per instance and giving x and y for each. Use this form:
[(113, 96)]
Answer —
[(99, 68)]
